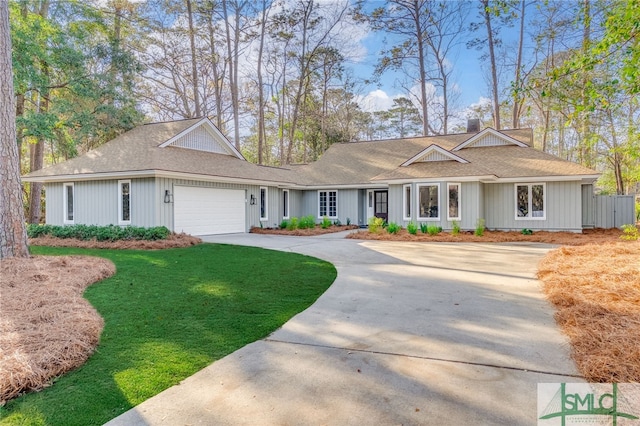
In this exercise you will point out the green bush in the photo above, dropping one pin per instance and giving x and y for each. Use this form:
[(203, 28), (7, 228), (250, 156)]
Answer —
[(284, 223), (456, 228), (337, 222), (293, 224), (412, 228), (376, 224), (434, 230), (393, 228), (100, 233), (307, 222), (348, 222), (526, 231), (479, 232), (326, 222), (423, 227), (630, 233)]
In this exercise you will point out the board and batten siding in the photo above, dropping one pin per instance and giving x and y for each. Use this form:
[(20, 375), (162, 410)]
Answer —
[(53, 203), (563, 207), (470, 204), (588, 206), (347, 204), (96, 202)]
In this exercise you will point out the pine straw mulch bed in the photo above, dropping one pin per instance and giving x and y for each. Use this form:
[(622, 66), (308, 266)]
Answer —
[(596, 291), (309, 232), (46, 327), (173, 241), (561, 238)]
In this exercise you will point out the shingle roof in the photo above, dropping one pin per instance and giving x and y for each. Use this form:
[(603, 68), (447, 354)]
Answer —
[(356, 163), (137, 150)]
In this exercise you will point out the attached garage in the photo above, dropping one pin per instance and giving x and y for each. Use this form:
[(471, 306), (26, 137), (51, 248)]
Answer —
[(205, 211)]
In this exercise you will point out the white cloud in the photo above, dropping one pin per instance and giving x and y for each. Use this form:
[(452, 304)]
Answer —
[(376, 100)]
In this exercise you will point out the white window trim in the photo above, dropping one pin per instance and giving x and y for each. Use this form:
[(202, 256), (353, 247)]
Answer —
[(120, 220), (530, 200), (459, 217), (406, 215), (328, 191), (430, 219), (286, 205), (64, 203), (266, 204)]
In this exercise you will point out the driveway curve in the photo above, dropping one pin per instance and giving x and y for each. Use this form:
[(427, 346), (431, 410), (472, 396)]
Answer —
[(409, 333)]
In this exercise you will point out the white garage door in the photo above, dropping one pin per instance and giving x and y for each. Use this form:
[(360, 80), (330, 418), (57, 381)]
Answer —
[(205, 211)]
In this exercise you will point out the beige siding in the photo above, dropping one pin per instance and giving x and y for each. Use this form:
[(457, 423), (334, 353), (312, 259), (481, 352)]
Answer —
[(563, 208)]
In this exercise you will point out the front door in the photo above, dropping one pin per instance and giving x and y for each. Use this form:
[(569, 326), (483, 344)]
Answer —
[(381, 205)]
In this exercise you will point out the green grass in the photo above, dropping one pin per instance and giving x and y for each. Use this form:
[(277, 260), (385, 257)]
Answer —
[(168, 314)]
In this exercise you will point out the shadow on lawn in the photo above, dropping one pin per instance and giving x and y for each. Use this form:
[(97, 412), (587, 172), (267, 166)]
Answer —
[(167, 315)]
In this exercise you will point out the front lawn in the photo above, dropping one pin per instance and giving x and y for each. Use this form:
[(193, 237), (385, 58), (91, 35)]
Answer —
[(168, 314)]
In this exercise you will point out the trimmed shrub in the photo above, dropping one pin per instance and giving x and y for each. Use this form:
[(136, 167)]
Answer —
[(284, 224), (393, 228), (479, 232), (376, 224), (434, 230), (630, 233), (326, 222), (307, 222), (293, 224), (412, 228), (99, 233), (423, 227), (526, 231), (456, 228)]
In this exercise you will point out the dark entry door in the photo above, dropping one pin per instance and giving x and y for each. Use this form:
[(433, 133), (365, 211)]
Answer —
[(381, 204)]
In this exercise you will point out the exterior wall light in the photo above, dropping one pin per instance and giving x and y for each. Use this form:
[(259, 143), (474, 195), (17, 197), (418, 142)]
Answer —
[(168, 198), (252, 200)]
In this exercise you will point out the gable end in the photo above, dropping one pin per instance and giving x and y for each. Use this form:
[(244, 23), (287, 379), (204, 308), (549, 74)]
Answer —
[(433, 153), (489, 137), (203, 136), (201, 140)]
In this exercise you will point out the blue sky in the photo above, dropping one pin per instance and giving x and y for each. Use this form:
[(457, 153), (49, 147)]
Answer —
[(468, 74)]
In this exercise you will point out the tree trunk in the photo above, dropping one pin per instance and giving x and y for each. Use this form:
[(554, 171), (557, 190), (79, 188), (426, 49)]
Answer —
[(13, 234), (423, 71), (232, 52), (36, 161), (494, 71), (261, 103), (517, 102), (37, 156), (194, 65)]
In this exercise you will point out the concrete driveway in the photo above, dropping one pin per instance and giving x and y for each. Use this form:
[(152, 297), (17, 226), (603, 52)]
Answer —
[(409, 333)]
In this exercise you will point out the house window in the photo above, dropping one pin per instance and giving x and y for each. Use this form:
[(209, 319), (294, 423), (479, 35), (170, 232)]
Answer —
[(68, 203), (263, 203), (124, 202), (530, 201), (406, 202), (453, 191), (285, 204), (428, 201), (328, 204)]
